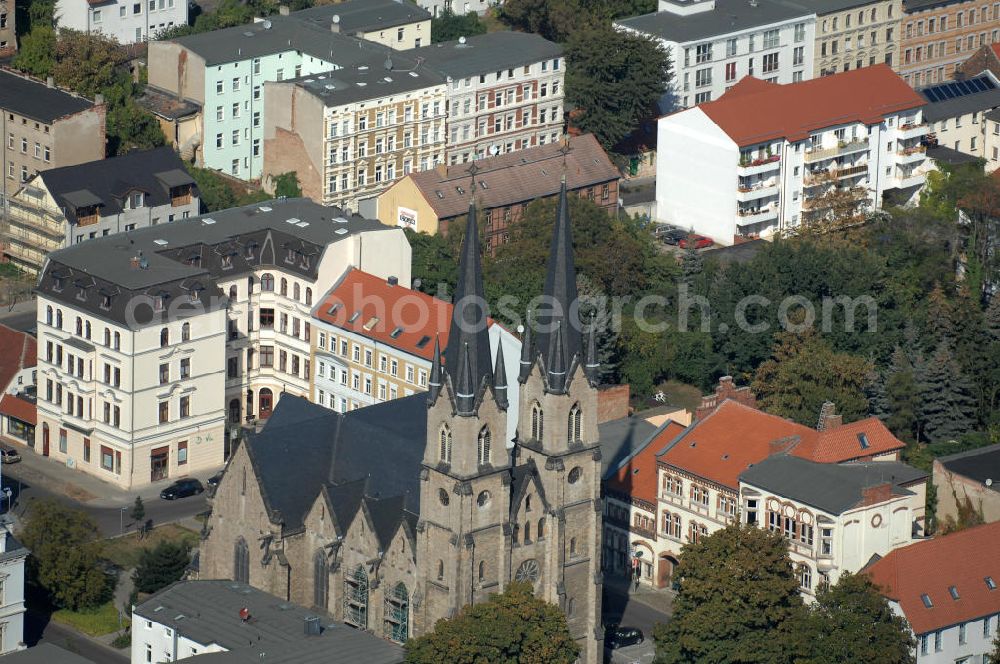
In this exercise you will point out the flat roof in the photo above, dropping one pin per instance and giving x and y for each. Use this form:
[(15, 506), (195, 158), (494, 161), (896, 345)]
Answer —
[(34, 99), (383, 75), (729, 16), (485, 54), (364, 15), (956, 98), (979, 465)]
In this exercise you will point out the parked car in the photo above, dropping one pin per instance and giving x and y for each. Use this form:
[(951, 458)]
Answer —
[(213, 482), (182, 489), (693, 239), (660, 229), (9, 455), (616, 637), (673, 236)]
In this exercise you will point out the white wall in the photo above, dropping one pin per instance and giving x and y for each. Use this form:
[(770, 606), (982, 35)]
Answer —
[(977, 642), (120, 20), (162, 643)]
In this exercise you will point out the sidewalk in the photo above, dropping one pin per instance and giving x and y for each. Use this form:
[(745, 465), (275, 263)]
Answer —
[(658, 599)]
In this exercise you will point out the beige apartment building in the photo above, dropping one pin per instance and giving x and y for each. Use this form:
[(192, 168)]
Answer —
[(350, 133), (851, 34), (938, 35), (44, 127), (8, 33)]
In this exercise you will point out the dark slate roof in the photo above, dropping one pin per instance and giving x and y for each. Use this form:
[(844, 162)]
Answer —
[(379, 75), (621, 438), (831, 487), (189, 254), (208, 612), (727, 17), (979, 465), (955, 98), (486, 54), (920, 5), (364, 15), (376, 451), (44, 653), (945, 155), (110, 181), (34, 99)]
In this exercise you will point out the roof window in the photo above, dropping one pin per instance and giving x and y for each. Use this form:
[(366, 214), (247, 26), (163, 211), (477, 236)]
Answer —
[(953, 591), (863, 440), (396, 332), (926, 599), (990, 583)]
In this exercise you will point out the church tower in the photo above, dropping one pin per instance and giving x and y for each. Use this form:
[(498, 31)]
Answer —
[(556, 487), (465, 478)]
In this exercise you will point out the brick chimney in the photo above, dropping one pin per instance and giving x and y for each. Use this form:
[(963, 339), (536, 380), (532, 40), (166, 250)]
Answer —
[(872, 495), (828, 417), (726, 389)]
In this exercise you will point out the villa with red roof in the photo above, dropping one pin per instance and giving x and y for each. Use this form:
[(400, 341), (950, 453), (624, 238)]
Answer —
[(375, 340), (761, 159), (946, 588)]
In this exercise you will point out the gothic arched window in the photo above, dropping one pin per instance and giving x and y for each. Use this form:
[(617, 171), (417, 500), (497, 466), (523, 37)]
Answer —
[(397, 614), (444, 444), (321, 580), (537, 421), (573, 425), (540, 533), (356, 598), (241, 561), (484, 445)]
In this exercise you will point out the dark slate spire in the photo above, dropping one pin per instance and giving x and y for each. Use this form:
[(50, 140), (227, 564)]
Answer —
[(468, 332), (592, 365), (555, 366), (500, 378), (434, 384), (560, 296), (465, 389), (527, 351)]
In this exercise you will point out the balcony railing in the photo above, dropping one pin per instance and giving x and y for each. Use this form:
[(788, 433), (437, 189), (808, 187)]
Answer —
[(755, 215), (843, 147), (760, 161), (820, 177)]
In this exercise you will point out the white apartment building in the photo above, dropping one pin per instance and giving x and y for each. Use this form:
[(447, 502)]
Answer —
[(946, 588), (762, 159), (12, 608), (834, 516), (149, 342), (127, 21), (715, 43), (504, 92), (375, 342)]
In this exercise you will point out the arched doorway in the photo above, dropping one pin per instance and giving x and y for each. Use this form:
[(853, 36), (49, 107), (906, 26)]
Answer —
[(265, 403), (665, 570)]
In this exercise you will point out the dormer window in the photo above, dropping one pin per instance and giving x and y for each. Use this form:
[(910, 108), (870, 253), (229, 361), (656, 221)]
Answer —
[(194, 260), (290, 256), (135, 200), (227, 262), (251, 249), (58, 283)]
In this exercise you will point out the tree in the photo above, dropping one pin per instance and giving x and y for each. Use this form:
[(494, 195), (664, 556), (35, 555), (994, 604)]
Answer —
[(89, 63), (552, 19), (995, 655), (616, 79), (286, 185), (448, 26), (36, 51), (836, 207), (162, 565), (512, 627), (738, 601), (65, 558), (949, 408), (138, 512), (851, 622)]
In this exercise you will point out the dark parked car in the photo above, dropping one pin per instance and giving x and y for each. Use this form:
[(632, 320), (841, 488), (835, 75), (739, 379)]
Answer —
[(182, 489), (616, 637), (9, 455), (695, 240), (673, 236), (213, 481)]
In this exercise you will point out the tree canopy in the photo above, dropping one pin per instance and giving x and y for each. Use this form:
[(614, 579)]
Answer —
[(448, 26), (162, 565), (514, 627)]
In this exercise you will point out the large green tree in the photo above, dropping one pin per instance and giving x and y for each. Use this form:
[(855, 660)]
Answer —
[(65, 561), (615, 80), (851, 622), (449, 25), (36, 51), (162, 565), (514, 627), (738, 601), (949, 408)]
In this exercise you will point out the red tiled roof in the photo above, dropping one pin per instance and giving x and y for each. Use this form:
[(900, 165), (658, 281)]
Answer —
[(19, 408), (418, 314), (637, 478), (757, 113), (963, 559), (724, 443), (996, 50), (19, 352)]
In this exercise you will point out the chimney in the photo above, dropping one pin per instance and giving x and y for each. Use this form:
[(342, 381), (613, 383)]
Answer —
[(283, 10), (311, 626), (873, 495), (726, 389), (828, 417), (442, 169), (134, 263), (335, 23), (50, 82), (392, 281)]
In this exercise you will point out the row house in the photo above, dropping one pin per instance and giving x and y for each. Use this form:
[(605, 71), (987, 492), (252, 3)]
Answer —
[(68, 205), (699, 470), (374, 341), (157, 344), (715, 43), (851, 34), (349, 133), (729, 173), (43, 127), (505, 92), (503, 186), (946, 589), (125, 21), (835, 516), (938, 35)]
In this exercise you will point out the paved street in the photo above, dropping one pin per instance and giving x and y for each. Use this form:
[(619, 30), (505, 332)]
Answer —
[(21, 317), (634, 611), (38, 629)]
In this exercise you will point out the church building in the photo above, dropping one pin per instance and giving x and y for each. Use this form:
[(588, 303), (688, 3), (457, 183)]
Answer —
[(394, 516)]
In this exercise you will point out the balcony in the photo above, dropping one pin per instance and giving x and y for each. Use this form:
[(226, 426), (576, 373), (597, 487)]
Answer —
[(760, 190), (746, 217), (819, 177), (761, 165), (842, 148), (911, 155), (914, 179), (911, 130)]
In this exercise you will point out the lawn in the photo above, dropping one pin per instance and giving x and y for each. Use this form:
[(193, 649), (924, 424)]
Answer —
[(95, 622), (124, 551), (681, 394)]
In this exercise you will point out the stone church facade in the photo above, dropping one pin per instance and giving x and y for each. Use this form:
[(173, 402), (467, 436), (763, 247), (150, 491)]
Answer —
[(394, 516)]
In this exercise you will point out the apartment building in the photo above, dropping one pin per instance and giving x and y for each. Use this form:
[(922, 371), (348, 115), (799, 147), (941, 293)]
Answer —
[(968, 478), (8, 31), (44, 127), (715, 43), (836, 517), (126, 21), (946, 588), (349, 133), (153, 340), (504, 92), (398, 25), (938, 35), (17, 382), (956, 115), (64, 206), (13, 555), (375, 342), (503, 186), (726, 172), (699, 470), (851, 34), (222, 73)]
